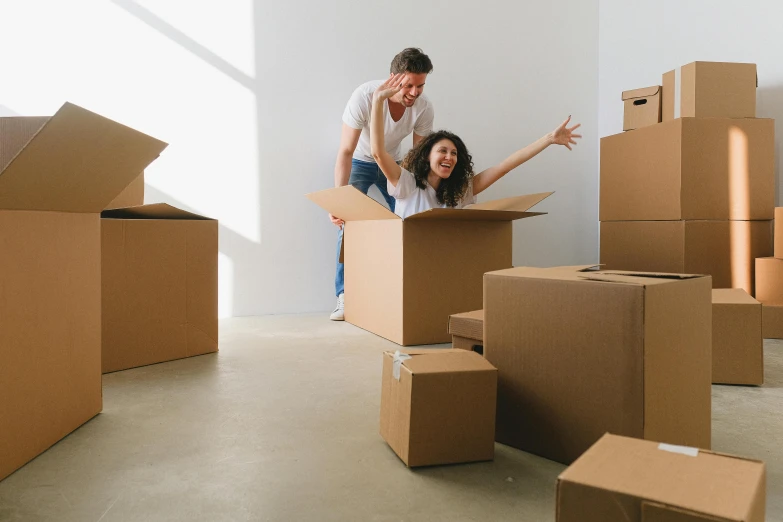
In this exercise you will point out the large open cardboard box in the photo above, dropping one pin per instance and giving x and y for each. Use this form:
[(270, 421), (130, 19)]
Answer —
[(159, 285), (56, 175), (404, 278), (726, 250), (690, 168), (625, 479), (581, 352)]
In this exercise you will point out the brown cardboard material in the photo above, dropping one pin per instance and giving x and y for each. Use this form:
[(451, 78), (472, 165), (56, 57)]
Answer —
[(390, 288), (769, 280), (132, 196), (162, 310), (582, 353), (778, 232), (772, 321), (690, 169), (627, 479), (467, 330), (441, 410), (58, 173), (737, 343), (642, 107), (710, 90), (726, 250)]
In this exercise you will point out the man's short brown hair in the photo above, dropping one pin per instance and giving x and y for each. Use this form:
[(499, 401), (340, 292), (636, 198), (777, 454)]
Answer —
[(411, 60)]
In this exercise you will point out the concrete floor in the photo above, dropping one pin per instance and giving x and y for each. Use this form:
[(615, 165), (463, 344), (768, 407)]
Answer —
[(283, 425)]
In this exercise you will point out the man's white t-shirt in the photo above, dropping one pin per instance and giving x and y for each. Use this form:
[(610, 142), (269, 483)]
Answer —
[(417, 118), (410, 199)]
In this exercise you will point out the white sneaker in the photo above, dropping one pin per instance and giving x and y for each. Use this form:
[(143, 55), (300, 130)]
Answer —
[(339, 312)]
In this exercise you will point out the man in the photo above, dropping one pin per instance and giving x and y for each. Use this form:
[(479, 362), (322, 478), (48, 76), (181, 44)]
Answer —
[(409, 111)]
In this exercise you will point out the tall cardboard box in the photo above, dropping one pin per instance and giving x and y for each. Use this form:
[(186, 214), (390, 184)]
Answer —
[(690, 169), (710, 90), (580, 353), (404, 278), (56, 176), (159, 285), (641, 107), (726, 250), (625, 479), (467, 331), (438, 406), (737, 343)]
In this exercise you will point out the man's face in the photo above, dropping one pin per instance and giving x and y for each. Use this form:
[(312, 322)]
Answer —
[(411, 89)]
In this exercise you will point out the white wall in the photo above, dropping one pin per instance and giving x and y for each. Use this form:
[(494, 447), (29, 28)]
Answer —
[(637, 44), (250, 94)]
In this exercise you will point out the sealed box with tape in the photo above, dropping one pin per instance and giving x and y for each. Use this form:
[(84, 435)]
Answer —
[(438, 406), (710, 90), (623, 479)]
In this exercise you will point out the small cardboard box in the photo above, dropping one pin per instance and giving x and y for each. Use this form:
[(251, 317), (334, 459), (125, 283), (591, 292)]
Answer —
[(467, 331), (580, 353), (390, 287), (737, 343), (710, 90), (626, 479), (132, 196), (769, 280), (641, 107), (56, 175), (159, 285), (438, 406), (772, 321), (726, 250), (690, 168), (778, 233)]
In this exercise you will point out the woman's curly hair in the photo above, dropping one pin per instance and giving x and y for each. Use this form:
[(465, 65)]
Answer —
[(452, 189)]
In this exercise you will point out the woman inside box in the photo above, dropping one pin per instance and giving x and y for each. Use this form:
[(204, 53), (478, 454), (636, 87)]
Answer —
[(438, 172)]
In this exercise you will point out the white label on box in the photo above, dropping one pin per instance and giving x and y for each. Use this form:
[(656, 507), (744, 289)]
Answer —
[(398, 359), (683, 450), (677, 91)]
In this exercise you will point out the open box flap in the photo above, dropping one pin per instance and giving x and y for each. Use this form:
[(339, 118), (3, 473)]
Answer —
[(350, 204), (516, 203), (153, 211), (15, 133), (641, 93), (461, 214), (78, 161)]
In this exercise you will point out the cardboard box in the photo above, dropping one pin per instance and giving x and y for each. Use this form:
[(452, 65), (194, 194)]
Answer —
[(132, 196), (624, 479), (467, 331), (580, 353), (710, 90), (737, 343), (769, 280), (726, 250), (641, 107), (390, 289), (778, 233), (690, 168), (159, 285), (772, 321), (438, 406), (57, 175)]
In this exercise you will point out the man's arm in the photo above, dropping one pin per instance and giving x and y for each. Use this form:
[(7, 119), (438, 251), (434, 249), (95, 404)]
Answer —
[(417, 139), (349, 137)]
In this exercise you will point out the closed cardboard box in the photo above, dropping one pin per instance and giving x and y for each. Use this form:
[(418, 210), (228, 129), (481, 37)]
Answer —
[(467, 331), (580, 353), (438, 406), (690, 168), (404, 278), (57, 175), (737, 343), (726, 250), (641, 107), (159, 285), (769, 280), (625, 479), (710, 90), (772, 321)]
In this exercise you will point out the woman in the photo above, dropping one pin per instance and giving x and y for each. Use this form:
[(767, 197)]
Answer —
[(438, 172)]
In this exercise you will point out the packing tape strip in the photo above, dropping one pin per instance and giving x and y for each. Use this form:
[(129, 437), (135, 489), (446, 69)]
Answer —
[(677, 91), (683, 450), (398, 359)]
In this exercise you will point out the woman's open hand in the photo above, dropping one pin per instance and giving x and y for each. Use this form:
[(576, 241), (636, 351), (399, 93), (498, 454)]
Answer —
[(390, 87), (564, 135)]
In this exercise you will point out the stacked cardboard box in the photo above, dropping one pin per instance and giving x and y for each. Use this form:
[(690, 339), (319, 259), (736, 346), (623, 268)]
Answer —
[(695, 193), (769, 284)]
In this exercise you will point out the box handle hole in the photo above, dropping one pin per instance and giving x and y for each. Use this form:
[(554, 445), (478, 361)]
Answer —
[(640, 102)]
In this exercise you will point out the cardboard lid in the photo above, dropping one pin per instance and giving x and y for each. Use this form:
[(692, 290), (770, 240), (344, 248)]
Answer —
[(448, 360), (586, 273), (641, 93), (78, 161), (350, 204), (708, 483), (468, 324), (732, 296), (153, 211)]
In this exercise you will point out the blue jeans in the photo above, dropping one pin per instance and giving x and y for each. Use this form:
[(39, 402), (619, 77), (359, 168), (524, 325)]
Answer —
[(364, 174)]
